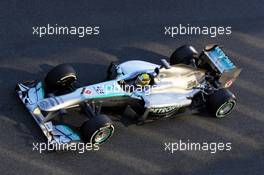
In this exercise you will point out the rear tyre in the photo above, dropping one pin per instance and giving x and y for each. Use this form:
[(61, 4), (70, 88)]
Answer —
[(60, 77), (97, 130), (221, 103), (183, 55)]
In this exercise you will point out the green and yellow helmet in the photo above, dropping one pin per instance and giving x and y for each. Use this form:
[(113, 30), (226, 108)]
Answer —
[(143, 79)]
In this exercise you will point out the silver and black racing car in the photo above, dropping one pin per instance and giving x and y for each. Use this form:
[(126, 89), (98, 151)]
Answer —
[(143, 90)]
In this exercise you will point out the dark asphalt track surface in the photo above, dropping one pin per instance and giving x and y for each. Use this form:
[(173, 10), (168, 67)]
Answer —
[(132, 29)]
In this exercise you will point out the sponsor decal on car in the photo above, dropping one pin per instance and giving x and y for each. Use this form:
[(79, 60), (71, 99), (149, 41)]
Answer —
[(163, 110), (88, 91), (228, 84), (99, 90)]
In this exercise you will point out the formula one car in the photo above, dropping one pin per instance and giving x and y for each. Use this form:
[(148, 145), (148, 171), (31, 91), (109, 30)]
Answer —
[(146, 90)]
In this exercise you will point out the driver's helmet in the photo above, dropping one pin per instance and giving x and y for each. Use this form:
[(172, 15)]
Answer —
[(143, 79)]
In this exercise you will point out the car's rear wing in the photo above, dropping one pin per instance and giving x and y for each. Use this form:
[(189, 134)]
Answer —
[(221, 64)]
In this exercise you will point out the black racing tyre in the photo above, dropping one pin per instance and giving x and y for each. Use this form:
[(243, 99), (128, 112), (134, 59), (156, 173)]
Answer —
[(61, 76), (111, 71), (183, 55), (221, 103), (97, 130)]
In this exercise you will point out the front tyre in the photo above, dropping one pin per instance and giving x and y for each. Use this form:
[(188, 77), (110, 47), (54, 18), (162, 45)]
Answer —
[(111, 71), (97, 130), (60, 77), (221, 103)]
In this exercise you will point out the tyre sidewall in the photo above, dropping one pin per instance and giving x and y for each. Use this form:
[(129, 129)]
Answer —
[(93, 126), (218, 100), (230, 101)]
